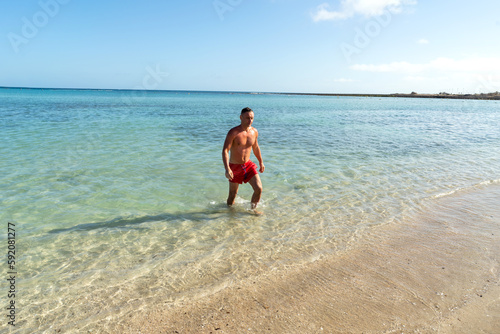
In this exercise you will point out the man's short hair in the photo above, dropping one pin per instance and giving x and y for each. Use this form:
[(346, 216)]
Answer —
[(244, 110)]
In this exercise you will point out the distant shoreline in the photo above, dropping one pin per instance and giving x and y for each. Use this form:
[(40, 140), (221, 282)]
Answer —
[(482, 96), (488, 96)]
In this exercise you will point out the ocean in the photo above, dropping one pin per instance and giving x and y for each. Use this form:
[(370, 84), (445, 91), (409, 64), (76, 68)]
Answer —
[(117, 198)]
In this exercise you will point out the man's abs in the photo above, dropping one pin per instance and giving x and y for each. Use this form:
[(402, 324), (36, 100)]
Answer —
[(240, 157)]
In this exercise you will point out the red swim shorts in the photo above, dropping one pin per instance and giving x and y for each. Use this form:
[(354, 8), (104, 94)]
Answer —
[(243, 172)]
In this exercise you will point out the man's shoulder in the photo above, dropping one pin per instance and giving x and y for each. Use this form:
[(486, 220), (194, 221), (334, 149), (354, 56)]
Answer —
[(254, 132), (235, 130)]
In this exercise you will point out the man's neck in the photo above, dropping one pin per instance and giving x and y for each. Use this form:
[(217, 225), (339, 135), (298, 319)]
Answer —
[(245, 128)]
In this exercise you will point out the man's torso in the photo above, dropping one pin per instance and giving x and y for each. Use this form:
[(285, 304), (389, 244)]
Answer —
[(241, 147)]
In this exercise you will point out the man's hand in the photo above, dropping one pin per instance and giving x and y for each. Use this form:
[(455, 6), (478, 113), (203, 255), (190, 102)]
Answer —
[(262, 167), (229, 174)]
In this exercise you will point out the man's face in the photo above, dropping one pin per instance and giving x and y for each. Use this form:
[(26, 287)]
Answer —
[(247, 119)]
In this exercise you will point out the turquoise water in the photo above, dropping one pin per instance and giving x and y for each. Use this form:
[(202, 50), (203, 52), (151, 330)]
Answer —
[(119, 196)]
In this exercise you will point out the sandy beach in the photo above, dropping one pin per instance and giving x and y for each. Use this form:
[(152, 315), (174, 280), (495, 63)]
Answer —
[(436, 271)]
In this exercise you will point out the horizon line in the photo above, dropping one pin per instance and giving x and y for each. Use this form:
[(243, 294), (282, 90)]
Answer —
[(495, 95)]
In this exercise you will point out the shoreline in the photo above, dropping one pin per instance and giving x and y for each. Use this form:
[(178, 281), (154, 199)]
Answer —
[(436, 272), (489, 96), (482, 96)]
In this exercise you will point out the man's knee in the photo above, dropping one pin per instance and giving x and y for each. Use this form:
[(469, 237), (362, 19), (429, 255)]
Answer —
[(257, 188)]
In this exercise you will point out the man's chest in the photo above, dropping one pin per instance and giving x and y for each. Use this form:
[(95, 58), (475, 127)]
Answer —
[(245, 139)]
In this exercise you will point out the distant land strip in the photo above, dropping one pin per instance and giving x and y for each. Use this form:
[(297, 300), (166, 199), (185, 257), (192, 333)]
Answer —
[(443, 95), (483, 96)]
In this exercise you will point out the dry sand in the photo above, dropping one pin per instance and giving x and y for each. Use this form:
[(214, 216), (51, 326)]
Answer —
[(437, 272)]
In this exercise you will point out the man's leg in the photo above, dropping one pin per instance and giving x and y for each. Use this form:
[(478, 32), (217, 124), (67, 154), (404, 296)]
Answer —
[(257, 190), (233, 191)]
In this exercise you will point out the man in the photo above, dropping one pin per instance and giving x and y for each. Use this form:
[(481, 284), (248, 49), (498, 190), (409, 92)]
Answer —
[(240, 141)]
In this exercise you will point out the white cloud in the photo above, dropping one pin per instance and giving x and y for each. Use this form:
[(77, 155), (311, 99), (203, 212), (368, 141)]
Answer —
[(478, 65), (402, 66), (367, 8), (473, 74), (323, 14), (423, 41), (413, 78), (343, 80)]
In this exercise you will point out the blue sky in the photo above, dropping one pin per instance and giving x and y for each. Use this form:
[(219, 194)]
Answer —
[(324, 46)]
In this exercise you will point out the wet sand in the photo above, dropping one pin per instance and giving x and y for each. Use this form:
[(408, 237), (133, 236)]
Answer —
[(437, 271)]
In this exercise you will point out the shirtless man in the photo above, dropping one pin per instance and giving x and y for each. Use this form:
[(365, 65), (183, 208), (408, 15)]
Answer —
[(240, 141)]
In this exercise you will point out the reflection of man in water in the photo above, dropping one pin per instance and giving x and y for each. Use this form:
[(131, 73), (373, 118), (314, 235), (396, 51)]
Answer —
[(240, 141)]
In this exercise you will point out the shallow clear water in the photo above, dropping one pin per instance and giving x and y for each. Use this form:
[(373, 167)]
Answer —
[(119, 196)]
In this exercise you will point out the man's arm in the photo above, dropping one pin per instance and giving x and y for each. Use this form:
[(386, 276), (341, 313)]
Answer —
[(225, 154), (258, 154)]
